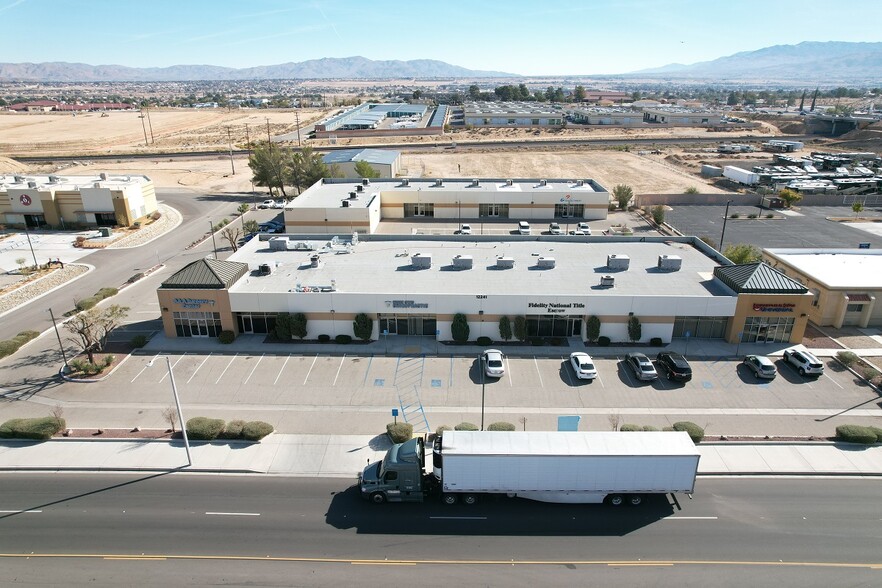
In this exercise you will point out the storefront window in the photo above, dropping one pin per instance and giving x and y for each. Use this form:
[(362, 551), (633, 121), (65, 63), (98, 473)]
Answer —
[(550, 325), (700, 327), (256, 322), (759, 329), (407, 325), (569, 210), (197, 324), (424, 209)]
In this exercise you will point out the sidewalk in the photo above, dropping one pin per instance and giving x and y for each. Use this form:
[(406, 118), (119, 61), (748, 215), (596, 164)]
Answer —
[(344, 456)]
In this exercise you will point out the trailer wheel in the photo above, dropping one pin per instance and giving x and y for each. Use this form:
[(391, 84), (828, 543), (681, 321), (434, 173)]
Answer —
[(616, 499), (378, 498), (469, 499), (635, 499), (449, 498)]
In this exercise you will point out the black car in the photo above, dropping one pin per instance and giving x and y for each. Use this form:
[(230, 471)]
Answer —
[(674, 365)]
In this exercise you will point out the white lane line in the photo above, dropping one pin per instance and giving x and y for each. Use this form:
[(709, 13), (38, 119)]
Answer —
[(460, 518), (536, 362), (174, 365), (314, 359), (234, 514), (599, 378), (567, 372), (220, 377), (508, 371), (282, 370), (255, 367), (141, 372), (826, 375), (690, 518), (19, 511), (342, 359), (200, 365)]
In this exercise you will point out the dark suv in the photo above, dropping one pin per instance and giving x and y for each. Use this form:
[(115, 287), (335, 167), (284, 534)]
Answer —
[(674, 365)]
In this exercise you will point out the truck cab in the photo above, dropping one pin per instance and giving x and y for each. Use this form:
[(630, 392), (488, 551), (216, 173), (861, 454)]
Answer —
[(398, 477)]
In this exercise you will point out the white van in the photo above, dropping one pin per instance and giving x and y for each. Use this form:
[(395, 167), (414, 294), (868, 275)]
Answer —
[(523, 228)]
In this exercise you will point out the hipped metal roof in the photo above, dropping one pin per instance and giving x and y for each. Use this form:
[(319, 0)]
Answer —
[(757, 278), (206, 274)]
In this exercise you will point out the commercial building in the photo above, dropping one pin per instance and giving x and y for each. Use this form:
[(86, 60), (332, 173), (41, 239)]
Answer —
[(681, 117), (675, 286), (378, 119), (620, 117), (844, 283), (386, 162), (511, 114), (75, 201), (343, 205)]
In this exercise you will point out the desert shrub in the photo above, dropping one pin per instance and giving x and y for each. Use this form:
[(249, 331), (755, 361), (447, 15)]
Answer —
[(868, 373), (734, 215), (464, 426), (232, 430), (847, 358), (656, 342), (753, 215), (878, 432), (10, 346), (226, 337), (87, 303), (500, 426), (440, 430), (106, 293), (770, 215), (139, 341), (256, 430), (629, 428), (343, 339), (37, 428), (650, 428), (856, 434), (667, 429), (107, 361), (695, 432), (324, 338), (156, 215), (204, 428), (603, 341), (484, 341), (399, 432)]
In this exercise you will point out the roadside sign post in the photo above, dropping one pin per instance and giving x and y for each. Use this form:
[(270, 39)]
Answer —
[(395, 415), (386, 340)]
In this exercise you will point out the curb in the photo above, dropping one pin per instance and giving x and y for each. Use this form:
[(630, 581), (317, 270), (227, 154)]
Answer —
[(92, 380)]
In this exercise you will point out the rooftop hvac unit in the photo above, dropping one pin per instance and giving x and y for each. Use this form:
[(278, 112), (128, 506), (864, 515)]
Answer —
[(618, 262), (278, 244), (670, 263), (607, 281), (439, 182), (543, 182), (405, 182), (365, 182), (313, 260), (505, 262), (104, 231), (546, 262), (102, 175), (462, 262), (421, 261), (18, 179), (53, 179), (353, 195), (96, 185), (358, 188), (32, 184), (264, 269), (345, 204)]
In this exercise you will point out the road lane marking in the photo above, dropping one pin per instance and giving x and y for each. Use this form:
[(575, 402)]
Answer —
[(314, 359), (200, 365), (174, 365), (254, 368), (234, 514), (220, 377), (141, 372), (282, 370), (535, 361), (826, 375), (342, 359), (640, 564), (460, 518), (20, 511)]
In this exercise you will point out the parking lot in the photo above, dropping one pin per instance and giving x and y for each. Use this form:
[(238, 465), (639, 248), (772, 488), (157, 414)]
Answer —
[(320, 380)]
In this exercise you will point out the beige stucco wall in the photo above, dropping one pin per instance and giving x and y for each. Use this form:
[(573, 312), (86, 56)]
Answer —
[(218, 301)]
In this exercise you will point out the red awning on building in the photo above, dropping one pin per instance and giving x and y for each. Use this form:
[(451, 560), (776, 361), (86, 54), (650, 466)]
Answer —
[(858, 297)]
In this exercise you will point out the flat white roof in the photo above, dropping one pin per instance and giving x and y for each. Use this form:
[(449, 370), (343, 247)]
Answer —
[(836, 268), (567, 443), (58, 182)]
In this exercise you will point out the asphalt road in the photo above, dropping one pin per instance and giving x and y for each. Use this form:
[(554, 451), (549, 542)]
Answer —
[(71, 528)]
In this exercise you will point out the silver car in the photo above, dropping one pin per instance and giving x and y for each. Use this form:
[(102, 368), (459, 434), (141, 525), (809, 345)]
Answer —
[(494, 363), (761, 366), (641, 366)]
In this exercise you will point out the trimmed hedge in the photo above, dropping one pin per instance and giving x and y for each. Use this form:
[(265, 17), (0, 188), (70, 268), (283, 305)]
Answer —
[(440, 430), (629, 428), (878, 432), (603, 341), (38, 428), (464, 426), (256, 430), (484, 341), (649, 428), (656, 342), (856, 434), (343, 339), (87, 303), (695, 432), (324, 338), (500, 426), (399, 432), (226, 337), (232, 430), (204, 428)]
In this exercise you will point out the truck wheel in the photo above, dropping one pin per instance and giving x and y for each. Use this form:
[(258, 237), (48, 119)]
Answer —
[(449, 498), (635, 499), (802, 372), (378, 498), (469, 499), (616, 499)]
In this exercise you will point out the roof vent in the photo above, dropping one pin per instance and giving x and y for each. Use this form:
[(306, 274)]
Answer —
[(546, 262), (264, 269), (543, 182), (313, 260), (18, 179), (476, 182), (439, 182), (96, 185), (509, 182), (102, 175), (405, 182), (358, 188), (365, 182), (670, 263), (353, 195), (53, 179), (345, 204), (32, 184), (618, 262), (607, 281), (462, 262), (421, 260), (505, 262)]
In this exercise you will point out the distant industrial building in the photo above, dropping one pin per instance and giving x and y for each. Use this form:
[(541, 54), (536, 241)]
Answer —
[(620, 117), (386, 162), (681, 117), (378, 119), (75, 201), (595, 96), (55, 106), (511, 114)]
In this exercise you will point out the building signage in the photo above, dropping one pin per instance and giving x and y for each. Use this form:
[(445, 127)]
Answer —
[(556, 307), (194, 302), (569, 199), (25, 200), (406, 304), (781, 307)]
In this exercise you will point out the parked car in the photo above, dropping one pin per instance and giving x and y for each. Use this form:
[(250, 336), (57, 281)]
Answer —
[(584, 228), (762, 366), (523, 228), (280, 204), (554, 229), (641, 366), (674, 365), (804, 361), (465, 230), (578, 232), (267, 204), (494, 363), (272, 226), (583, 365)]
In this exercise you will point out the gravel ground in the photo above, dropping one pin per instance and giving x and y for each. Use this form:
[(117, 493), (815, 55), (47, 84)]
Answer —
[(170, 219), (31, 290)]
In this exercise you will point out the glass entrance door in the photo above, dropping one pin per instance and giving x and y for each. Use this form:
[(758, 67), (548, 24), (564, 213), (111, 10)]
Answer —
[(198, 328), (247, 325)]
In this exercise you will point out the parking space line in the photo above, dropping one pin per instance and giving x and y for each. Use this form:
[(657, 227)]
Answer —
[(367, 372), (627, 369), (254, 368), (314, 359), (200, 365), (342, 359), (174, 365), (281, 370), (566, 370), (141, 372), (220, 377), (826, 375), (601, 380), (536, 362), (451, 373)]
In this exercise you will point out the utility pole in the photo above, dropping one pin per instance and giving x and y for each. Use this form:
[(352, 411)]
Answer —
[(149, 124), (230, 139), (269, 138), (297, 118), (60, 345), (725, 218), (144, 126)]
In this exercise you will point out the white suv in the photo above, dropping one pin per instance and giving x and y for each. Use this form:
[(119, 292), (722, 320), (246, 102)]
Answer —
[(554, 229), (804, 362), (523, 228)]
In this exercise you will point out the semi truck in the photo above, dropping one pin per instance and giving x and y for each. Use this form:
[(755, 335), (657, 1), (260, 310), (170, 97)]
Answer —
[(565, 467)]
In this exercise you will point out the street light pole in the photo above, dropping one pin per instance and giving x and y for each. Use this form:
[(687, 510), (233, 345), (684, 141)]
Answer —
[(171, 376), (60, 345), (213, 242), (725, 218), (481, 367), (31, 245)]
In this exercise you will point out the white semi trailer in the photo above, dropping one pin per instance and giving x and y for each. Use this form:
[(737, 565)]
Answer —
[(570, 467)]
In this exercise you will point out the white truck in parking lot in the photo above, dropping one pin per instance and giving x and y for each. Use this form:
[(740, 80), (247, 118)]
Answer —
[(566, 467)]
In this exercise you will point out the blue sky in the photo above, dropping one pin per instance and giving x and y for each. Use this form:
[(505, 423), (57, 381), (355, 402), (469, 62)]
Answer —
[(536, 37)]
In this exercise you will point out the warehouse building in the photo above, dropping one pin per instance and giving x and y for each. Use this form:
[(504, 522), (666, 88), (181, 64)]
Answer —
[(374, 119), (681, 117), (511, 114), (386, 162), (75, 201), (414, 286)]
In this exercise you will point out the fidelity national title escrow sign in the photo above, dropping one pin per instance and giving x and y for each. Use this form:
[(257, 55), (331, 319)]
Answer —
[(555, 307)]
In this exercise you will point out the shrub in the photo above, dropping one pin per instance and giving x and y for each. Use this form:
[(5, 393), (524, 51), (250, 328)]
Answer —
[(734, 215), (283, 327), (108, 361), (440, 430), (232, 430), (667, 429), (324, 338), (464, 426), (878, 432), (592, 328), (10, 346), (256, 430), (87, 303), (869, 373), (751, 215), (505, 332), (363, 326), (656, 342), (484, 341), (520, 328), (629, 428), (139, 341), (500, 426), (650, 428), (856, 434), (770, 215), (658, 214), (37, 428), (695, 432), (343, 339), (691, 190), (298, 325), (635, 330), (603, 341), (204, 428), (106, 293), (847, 358), (399, 432), (156, 215), (226, 337)]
